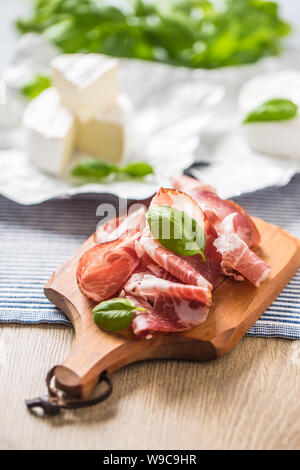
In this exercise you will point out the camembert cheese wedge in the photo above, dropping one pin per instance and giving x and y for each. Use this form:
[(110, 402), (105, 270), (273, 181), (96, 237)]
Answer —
[(107, 135), (50, 129), (87, 83)]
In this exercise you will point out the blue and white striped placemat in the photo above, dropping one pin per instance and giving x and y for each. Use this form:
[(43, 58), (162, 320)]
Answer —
[(35, 240)]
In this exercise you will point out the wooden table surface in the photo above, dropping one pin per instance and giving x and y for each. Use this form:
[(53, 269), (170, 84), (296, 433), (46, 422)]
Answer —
[(246, 400)]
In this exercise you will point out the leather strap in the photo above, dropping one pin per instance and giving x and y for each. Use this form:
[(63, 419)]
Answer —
[(53, 403)]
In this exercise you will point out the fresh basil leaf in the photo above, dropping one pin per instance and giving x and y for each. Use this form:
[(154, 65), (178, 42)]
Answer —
[(138, 169), (36, 86), (176, 231), (278, 109), (114, 314), (95, 169), (92, 168)]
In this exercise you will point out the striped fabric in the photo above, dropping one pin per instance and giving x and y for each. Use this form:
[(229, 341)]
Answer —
[(36, 240)]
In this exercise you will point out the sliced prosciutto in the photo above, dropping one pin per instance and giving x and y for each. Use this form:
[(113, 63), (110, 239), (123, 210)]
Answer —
[(167, 315), (211, 269), (145, 284), (180, 201), (174, 291), (190, 185), (170, 305), (216, 209), (147, 263), (120, 227), (171, 262), (104, 268), (237, 256)]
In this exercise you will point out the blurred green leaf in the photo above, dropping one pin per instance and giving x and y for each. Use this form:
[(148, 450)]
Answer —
[(230, 32), (93, 168), (138, 169), (36, 86), (278, 109)]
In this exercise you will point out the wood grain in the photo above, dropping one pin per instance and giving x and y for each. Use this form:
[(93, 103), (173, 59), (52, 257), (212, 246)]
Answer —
[(248, 399), (236, 306)]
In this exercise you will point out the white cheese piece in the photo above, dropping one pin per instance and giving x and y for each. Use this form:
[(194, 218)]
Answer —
[(109, 134), (279, 138), (87, 83), (50, 128)]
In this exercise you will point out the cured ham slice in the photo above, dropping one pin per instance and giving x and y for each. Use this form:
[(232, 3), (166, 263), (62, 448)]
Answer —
[(148, 264), (178, 266), (169, 261), (166, 316), (211, 269), (107, 232), (216, 209), (179, 201), (145, 284), (105, 268), (120, 227), (190, 185), (237, 256), (170, 305)]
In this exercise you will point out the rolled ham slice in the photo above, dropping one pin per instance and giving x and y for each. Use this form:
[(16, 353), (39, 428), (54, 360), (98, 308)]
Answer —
[(179, 201), (178, 266), (216, 209), (237, 256), (211, 269), (146, 284), (120, 227), (172, 263), (167, 315)]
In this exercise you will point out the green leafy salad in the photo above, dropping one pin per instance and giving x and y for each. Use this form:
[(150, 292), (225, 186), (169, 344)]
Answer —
[(192, 33)]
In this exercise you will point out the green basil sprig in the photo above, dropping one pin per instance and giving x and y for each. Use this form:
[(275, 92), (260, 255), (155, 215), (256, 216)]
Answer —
[(137, 169), (115, 314), (36, 86), (95, 169), (278, 109), (176, 231)]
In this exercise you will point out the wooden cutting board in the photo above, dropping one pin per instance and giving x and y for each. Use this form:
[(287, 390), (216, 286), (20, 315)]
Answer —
[(236, 306)]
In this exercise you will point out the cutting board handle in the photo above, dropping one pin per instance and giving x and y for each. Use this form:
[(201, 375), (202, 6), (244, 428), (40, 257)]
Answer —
[(52, 404), (94, 351), (93, 354)]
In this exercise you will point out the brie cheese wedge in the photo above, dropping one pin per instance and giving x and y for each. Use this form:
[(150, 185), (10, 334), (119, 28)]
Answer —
[(278, 138), (87, 83), (108, 134), (50, 129)]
